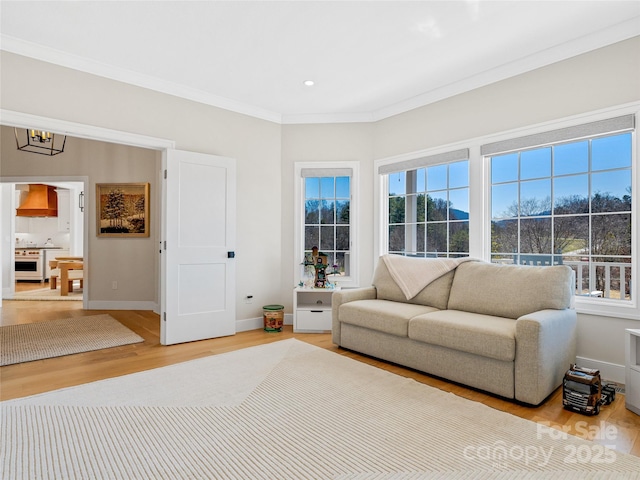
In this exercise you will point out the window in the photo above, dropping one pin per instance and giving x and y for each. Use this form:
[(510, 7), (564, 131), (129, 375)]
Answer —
[(548, 194), (326, 218), (567, 203), (428, 209)]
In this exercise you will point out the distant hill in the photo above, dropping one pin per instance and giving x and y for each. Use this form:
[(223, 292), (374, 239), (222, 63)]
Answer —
[(456, 214)]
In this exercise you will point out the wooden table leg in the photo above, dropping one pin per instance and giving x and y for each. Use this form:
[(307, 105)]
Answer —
[(64, 279), (53, 264)]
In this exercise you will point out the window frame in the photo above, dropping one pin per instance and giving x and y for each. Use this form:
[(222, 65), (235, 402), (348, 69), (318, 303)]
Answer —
[(552, 216), (354, 217), (410, 193), (480, 196)]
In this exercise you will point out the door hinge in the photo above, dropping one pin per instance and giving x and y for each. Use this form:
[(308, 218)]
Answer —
[(164, 316), (165, 244), (165, 174)]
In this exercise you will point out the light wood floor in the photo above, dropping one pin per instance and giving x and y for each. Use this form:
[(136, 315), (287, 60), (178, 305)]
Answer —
[(50, 374)]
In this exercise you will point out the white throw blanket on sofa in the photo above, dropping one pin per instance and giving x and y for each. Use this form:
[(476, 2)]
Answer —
[(413, 274)]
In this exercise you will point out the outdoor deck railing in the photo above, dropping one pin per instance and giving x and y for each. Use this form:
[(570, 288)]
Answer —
[(610, 276), (614, 274)]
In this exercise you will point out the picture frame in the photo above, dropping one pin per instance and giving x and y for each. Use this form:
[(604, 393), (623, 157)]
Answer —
[(122, 210)]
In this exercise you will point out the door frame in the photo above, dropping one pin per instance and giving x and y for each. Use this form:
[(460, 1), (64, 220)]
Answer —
[(90, 132), (84, 180)]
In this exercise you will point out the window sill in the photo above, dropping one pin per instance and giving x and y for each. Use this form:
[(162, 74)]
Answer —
[(607, 308), (346, 282)]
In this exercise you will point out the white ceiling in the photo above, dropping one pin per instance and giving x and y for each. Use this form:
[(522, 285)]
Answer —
[(369, 59)]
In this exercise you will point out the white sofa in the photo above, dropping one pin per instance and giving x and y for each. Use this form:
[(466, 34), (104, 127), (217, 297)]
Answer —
[(505, 329)]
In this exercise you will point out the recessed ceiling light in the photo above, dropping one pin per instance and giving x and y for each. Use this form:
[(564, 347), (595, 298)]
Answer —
[(309, 83)]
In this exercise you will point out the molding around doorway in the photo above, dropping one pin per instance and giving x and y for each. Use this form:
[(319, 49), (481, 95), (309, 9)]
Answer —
[(91, 132)]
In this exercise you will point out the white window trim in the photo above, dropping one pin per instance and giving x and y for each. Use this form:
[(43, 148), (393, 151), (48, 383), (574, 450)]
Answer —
[(354, 215), (480, 209), (381, 197)]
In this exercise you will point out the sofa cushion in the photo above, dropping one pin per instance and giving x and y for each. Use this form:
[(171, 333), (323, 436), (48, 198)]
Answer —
[(485, 335), (510, 291), (436, 294), (382, 315)]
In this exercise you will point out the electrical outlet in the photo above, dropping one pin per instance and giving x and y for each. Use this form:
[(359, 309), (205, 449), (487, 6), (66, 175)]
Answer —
[(248, 299), (114, 285)]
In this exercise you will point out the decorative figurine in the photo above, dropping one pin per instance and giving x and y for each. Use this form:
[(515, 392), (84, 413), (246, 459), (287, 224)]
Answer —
[(321, 264)]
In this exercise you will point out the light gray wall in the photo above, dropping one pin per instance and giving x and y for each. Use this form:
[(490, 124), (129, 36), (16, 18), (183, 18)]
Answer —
[(603, 78), (130, 262), (266, 152), (327, 143), (38, 88), (599, 79)]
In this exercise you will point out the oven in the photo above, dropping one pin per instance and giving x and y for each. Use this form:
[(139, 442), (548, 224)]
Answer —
[(29, 265)]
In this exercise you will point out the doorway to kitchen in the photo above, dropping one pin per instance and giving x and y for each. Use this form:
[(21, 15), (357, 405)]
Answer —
[(40, 241), (144, 252)]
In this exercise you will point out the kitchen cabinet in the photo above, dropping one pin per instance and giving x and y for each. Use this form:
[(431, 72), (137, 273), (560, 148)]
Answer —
[(64, 210)]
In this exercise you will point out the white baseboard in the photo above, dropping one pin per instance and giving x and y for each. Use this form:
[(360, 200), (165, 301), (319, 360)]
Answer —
[(241, 325), (119, 305), (249, 324), (258, 323), (608, 371)]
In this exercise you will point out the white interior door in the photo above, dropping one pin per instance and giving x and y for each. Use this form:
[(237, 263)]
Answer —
[(198, 270)]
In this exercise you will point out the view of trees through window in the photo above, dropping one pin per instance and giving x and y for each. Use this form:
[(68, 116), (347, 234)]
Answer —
[(429, 211), (570, 204), (327, 220)]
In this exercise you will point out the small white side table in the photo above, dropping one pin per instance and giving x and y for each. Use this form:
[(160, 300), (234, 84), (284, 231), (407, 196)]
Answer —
[(312, 309), (632, 372)]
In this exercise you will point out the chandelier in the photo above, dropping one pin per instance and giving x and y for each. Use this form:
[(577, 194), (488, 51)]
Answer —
[(40, 141)]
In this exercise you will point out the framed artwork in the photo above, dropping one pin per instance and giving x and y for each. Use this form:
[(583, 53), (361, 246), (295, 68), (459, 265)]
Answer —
[(122, 209)]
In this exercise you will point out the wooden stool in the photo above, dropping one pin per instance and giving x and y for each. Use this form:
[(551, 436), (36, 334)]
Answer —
[(73, 275), (73, 270)]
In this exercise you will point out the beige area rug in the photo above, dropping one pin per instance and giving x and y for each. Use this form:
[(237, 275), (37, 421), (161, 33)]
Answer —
[(48, 294), (285, 410), (56, 338)]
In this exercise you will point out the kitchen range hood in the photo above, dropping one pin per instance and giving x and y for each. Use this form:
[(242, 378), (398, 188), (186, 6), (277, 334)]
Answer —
[(41, 201)]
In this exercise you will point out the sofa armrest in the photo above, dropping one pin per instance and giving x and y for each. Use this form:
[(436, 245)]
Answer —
[(545, 348), (341, 297)]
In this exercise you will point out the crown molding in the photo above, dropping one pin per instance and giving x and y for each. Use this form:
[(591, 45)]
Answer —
[(75, 62), (603, 38), (608, 36), (307, 118)]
